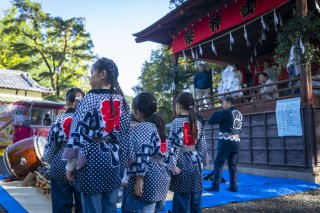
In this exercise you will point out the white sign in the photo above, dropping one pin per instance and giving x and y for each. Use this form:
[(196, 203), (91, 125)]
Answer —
[(288, 117)]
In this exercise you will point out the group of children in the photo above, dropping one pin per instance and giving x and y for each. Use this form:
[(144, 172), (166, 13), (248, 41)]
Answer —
[(95, 147)]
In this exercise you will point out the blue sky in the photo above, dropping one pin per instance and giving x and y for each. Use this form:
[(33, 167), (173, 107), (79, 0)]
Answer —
[(111, 24)]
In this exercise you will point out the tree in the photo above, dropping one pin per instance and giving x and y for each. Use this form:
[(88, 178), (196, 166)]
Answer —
[(10, 59), (157, 77), (62, 48)]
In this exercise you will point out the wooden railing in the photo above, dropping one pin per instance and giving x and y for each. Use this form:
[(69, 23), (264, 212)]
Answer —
[(252, 94)]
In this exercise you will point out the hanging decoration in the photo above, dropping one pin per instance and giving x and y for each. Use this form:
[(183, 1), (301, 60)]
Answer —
[(317, 6), (276, 20), (244, 11), (192, 54), (301, 46), (251, 59), (213, 47), (200, 49), (231, 41), (264, 26), (246, 35), (263, 36), (280, 21), (185, 60), (197, 56)]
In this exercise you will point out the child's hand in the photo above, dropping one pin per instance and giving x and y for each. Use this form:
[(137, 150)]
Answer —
[(70, 176), (124, 184), (138, 186), (176, 170)]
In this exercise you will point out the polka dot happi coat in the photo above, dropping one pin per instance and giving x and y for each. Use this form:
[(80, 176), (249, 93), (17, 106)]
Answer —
[(56, 141), (145, 145), (190, 178), (98, 141)]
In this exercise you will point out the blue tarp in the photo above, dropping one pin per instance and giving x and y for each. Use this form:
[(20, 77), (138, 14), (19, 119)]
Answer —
[(9, 203), (252, 187)]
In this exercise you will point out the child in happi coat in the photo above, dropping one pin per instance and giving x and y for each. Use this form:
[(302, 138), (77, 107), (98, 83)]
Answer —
[(188, 144), (148, 174), (62, 192), (99, 131)]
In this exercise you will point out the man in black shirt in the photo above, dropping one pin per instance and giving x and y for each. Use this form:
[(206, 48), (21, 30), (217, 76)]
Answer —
[(203, 85), (230, 124)]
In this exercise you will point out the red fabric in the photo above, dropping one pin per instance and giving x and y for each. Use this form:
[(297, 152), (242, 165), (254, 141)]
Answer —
[(229, 17), (67, 126), (163, 146), (111, 122), (187, 136)]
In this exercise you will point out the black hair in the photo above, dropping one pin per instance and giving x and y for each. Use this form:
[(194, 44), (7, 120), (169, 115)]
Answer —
[(186, 100), (236, 65), (72, 94), (267, 60), (264, 74), (230, 99), (146, 103), (105, 64)]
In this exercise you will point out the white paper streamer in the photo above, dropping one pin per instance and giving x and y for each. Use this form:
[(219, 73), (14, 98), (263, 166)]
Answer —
[(184, 55), (264, 26), (231, 41), (251, 59), (302, 46), (200, 50), (276, 20), (213, 47), (275, 17), (197, 56), (246, 35), (317, 6), (280, 21), (263, 36), (192, 54)]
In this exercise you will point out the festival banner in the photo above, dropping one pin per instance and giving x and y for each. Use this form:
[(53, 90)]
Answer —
[(233, 14)]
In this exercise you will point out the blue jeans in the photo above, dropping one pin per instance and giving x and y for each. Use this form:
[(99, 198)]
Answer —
[(187, 203), (62, 194), (104, 202), (124, 199), (138, 206)]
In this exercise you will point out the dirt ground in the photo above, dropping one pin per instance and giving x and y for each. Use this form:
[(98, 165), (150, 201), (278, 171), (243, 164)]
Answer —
[(308, 202)]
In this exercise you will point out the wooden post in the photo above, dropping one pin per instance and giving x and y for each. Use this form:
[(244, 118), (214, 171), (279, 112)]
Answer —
[(175, 81), (307, 98)]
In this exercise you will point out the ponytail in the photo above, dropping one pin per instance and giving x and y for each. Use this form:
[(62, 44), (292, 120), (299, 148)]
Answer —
[(158, 121), (146, 103), (186, 100), (193, 123)]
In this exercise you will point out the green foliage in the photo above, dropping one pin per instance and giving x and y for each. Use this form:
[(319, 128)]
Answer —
[(60, 48), (157, 77), (10, 59), (308, 28)]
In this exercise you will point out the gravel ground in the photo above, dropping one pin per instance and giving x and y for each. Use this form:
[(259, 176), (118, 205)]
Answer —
[(308, 202)]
